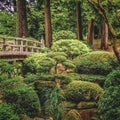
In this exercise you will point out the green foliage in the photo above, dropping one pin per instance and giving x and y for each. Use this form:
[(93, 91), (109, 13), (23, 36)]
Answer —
[(71, 47), (109, 105), (9, 83), (35, 19), (53, 106), (63, 34), (7, 23), (6, 70), (46, 63), (78, 91), (97, 62), (63, 15), (113, 79), (31, 63), (7, 112), (24, 99), (73, 115)]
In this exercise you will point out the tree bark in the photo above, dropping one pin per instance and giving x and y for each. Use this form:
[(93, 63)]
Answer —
[(104, 37), (22, 18), (48, 28), (91, 32), (79, 20)]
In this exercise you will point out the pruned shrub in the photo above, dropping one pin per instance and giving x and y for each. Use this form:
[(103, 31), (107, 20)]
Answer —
[(78, 91), (71, 47), (7, 112), (63, 34), (109, 105), (24, 98), (97, 62)]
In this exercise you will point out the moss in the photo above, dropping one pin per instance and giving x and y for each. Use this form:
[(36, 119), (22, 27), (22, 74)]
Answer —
[(86, 105), (67, 104)]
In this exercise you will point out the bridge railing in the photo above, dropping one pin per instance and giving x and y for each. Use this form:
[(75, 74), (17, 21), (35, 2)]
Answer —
[(12, 44)]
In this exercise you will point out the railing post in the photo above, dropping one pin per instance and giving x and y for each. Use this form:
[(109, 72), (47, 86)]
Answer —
[(21, 46), (4, 44), (26, 46)]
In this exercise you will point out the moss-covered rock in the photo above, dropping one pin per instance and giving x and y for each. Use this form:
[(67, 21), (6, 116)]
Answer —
[(78, 91), (97, 62)]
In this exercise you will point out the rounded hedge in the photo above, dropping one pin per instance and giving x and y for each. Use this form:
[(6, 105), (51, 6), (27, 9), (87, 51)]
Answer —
[(96, 62), (109, 103), (7, 112), (63, 34), (24, 98), (78, 91), (71, 47)]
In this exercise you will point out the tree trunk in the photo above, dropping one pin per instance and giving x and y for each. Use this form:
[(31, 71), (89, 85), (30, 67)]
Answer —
[(22, 18), (48, 28), (79, 20), (91, 32), (104, 38)]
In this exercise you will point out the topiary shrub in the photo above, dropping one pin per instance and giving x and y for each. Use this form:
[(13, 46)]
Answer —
[(71, 47), (7, 112), (73, 115), (109, 105), (78, 91), (97, 62), (63, 34), (24, 98)]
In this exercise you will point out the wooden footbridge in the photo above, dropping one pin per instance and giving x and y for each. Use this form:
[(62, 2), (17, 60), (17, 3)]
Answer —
[(12, 48)]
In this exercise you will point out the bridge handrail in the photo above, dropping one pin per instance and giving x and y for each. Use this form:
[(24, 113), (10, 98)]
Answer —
[(21, 44)]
